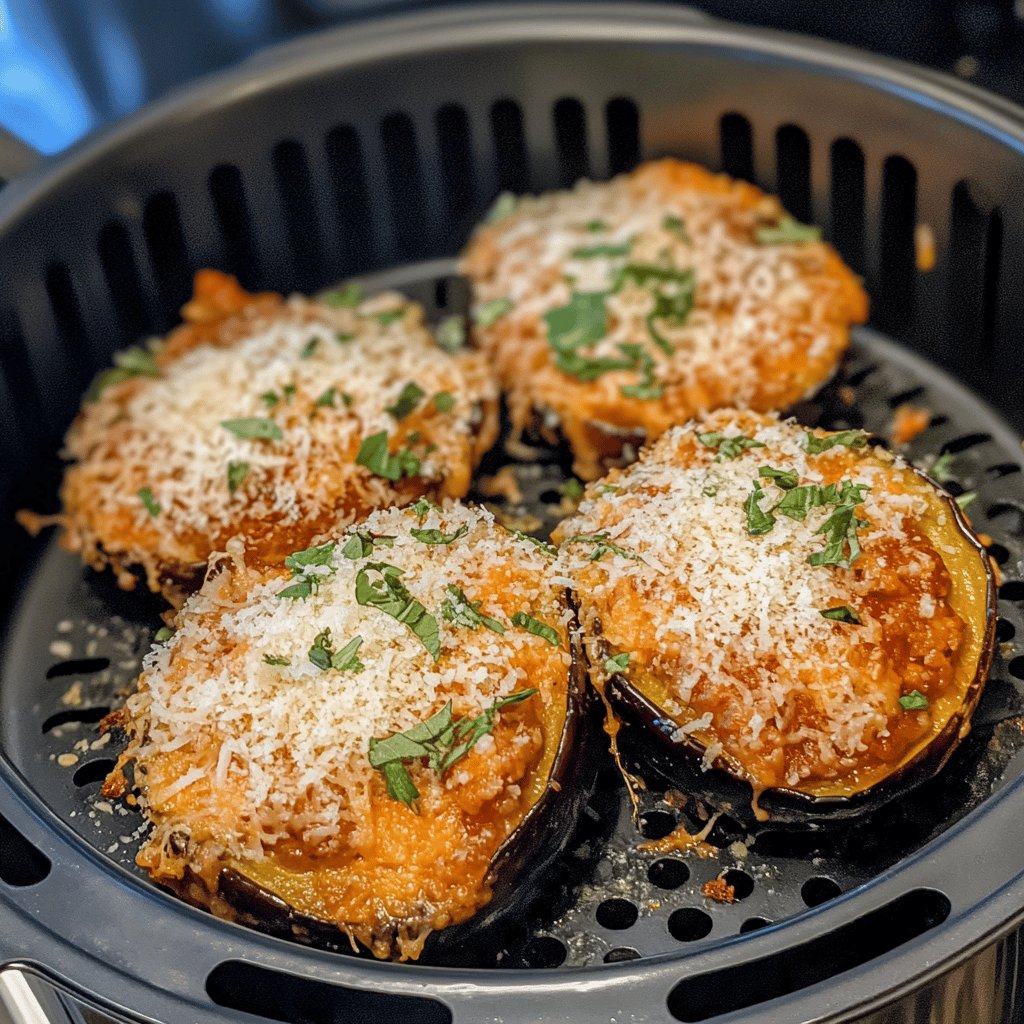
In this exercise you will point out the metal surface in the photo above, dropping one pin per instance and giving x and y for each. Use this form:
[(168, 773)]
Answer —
[(326, 177)]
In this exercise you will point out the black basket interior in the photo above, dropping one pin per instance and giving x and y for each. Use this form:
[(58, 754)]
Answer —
[(332, 162)]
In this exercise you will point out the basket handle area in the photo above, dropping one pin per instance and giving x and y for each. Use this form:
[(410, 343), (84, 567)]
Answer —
[(16, 157), (26, 999)]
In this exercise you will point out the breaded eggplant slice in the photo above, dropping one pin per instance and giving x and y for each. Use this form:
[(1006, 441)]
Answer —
[(613, 311), (369, 741), (273, 420), (801, 611)]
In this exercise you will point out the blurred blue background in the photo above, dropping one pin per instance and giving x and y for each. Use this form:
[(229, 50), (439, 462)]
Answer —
[(68, 66)]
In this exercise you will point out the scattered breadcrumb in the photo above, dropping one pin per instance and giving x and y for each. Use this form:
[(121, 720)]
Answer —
[(908, 422), (719, 890)]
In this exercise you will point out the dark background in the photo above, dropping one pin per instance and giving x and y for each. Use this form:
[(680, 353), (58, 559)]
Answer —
[(68, 66)]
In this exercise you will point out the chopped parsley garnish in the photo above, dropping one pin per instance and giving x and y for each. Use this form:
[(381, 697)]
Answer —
[(253, 428), (309, 349), (389, 594), (489, 312), (326, 399), (386, 317), (439, 536), (270, 398), (618, 663), (842, 546), (728, 447), (376, 457), (421, 506), (460, 611), (348, 296), (344, 337), (441, 740), (548, 549), (841, 613), (323, 655), (298, 591), (147, 499), (359, 545), (602, 545), (537, 628), (966, 499), (300, 561), (275, 659), (594, 226), (784, 478), (670, 222), (582, 322), (913, 701), (845, 438), (237, 472), (608, 489), (572, 489), (163, 634), (410, 396), (941, 469), (798, 501), (788, 231), (643, 363), (288, 391), (451, 334), (758, 521), (132, 362), (444, 401), (673, 292), (609, 250), (504, 206)]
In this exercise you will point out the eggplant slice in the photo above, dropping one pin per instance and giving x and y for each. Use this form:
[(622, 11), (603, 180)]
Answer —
[(794, 625), (380, 744)]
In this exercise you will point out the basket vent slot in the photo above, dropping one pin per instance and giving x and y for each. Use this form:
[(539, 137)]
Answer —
[(77, 667), (571, 141), (705, 996), (897, 271), (990, 285), (510, 146), (118, 262), (275, 995), (793, 171), (351, 197), (737, 142), (622, 120), (21, 863), (231, 210), (405, 185), (298, 205), (456, 151), (168, 253), (18, 373), (67, 314), (88, 716), (846, 200)]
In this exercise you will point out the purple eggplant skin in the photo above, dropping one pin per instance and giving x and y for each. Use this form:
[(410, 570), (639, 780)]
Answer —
[(648, 737), (517, 870)]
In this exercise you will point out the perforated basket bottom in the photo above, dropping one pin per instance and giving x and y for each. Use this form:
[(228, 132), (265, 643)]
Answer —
[(77, 642)]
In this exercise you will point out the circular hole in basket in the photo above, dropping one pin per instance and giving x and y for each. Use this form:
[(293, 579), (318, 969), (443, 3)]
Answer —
[(616, 914), (656, 824), (1012, 590), (818, 890), (93, 771), (1016, 667), (544, 951), (1005, 630), (620, 954), (741, 882), (689, 924), (998, 553), (668, 873)]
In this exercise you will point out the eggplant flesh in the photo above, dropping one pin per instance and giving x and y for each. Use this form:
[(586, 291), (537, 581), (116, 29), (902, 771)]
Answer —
[(650, 730), (516, 871)]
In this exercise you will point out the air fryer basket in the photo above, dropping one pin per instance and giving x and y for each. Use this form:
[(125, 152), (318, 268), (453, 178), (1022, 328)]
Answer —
[(372, 151)]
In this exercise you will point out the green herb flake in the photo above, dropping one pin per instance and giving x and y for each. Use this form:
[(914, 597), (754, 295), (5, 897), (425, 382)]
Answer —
[(841, 613), (131, 362), (147, 499), (842, 546), (788, 231), (548, 549), (386, 317), (537, 628), (270, 398), (346, 660), (163, 634), (844, 438), (309, 349), (253, 428), (444, 401), (297, 591), (758, 521), (460, 611), (348, 296), (410, 396), (608, 489), (941, 470), (571, 489), (439, 536), (488, 313), (784, 478), (914, 701), (618, 663), (670, 222), (375, 456), (421, 506), (237, 472), (608, 250), (504, 206), (275, 659), (450, 334), (966, 499), (300, 561), (727, 447), (326, 399), (344, 337), (593, 226), (389, 595), (602, 545), (288, 391)]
